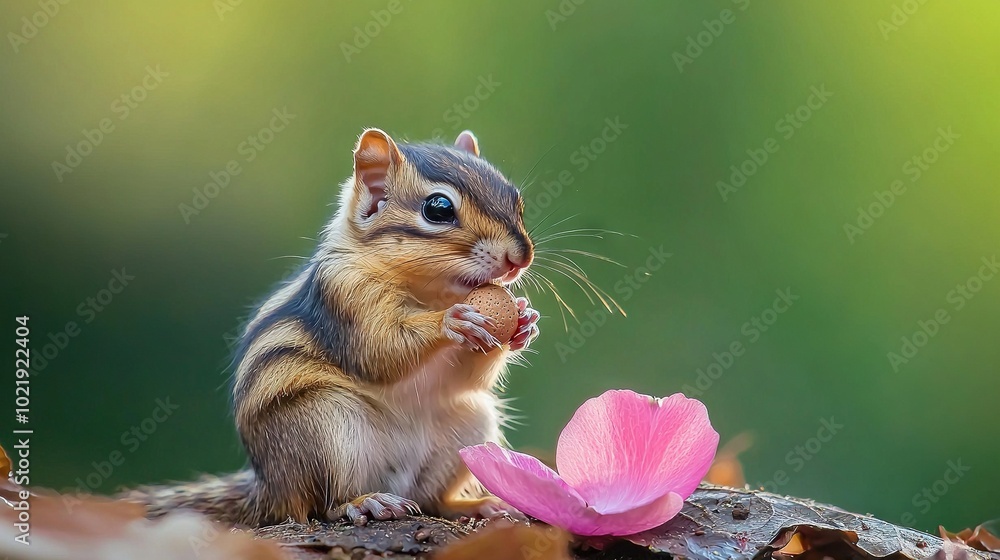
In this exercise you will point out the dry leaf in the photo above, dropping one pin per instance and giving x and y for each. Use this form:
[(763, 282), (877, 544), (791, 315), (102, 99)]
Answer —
[(6, 465), (984, 537), (507, 541), (726, 469), (92, 528), (720, 523), (89, 527)]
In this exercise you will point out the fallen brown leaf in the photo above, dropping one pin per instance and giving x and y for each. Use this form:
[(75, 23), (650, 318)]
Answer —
[(984, 537), (5, 464), (57, 527), (720, 523), (508, 541), (726, 469)]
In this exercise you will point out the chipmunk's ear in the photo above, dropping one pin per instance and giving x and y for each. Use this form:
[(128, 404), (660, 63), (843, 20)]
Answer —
[(466, 141), (375, 155)]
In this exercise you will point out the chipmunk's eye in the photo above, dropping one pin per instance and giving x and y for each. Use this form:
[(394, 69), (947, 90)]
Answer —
[(438, 209)]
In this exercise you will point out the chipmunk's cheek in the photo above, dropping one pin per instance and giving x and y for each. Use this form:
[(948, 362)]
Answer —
[(500, 259)]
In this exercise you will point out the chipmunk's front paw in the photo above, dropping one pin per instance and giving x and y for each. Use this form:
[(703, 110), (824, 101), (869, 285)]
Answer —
[(378, 505), (466, 326), (527, 325)]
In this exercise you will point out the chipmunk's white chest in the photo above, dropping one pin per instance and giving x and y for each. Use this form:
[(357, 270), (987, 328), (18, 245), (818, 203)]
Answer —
[(437, 413)]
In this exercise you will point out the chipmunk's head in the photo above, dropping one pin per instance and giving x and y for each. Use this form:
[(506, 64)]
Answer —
[(439, 218)]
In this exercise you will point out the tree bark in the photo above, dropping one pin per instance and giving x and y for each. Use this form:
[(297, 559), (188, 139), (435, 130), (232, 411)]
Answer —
[(716, 523)]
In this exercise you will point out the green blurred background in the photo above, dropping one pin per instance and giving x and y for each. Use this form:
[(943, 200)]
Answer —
[(556, 73)]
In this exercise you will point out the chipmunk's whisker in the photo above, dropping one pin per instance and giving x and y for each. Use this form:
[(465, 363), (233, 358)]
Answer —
[(532, 276), (564, 235), (564, 220), (601, 294), (289, 257), (542, 221), (582, 253), (580, 232), (561, 257), (528, 174), (574, 280), (555, 293)]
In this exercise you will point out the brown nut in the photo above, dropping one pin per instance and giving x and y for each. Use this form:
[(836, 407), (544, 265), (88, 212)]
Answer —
[(497, 303)]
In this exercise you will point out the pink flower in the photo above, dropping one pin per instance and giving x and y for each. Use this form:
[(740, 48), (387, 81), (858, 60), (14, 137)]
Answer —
[(626, 463)]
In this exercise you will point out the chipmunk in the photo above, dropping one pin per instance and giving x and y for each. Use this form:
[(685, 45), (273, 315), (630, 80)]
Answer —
[(358, 381)]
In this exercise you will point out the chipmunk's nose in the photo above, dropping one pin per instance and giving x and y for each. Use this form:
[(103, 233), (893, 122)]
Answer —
[(519, 259)]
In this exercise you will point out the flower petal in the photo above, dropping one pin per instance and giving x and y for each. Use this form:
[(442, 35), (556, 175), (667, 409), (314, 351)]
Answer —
[(525, 483), (628, 522), (623, 450)]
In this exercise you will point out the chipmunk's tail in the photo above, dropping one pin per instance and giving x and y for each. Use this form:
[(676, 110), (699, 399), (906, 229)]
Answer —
[(229, 498)]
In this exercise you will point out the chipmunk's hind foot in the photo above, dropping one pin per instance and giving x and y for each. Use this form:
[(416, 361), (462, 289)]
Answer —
[(376, 505)]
